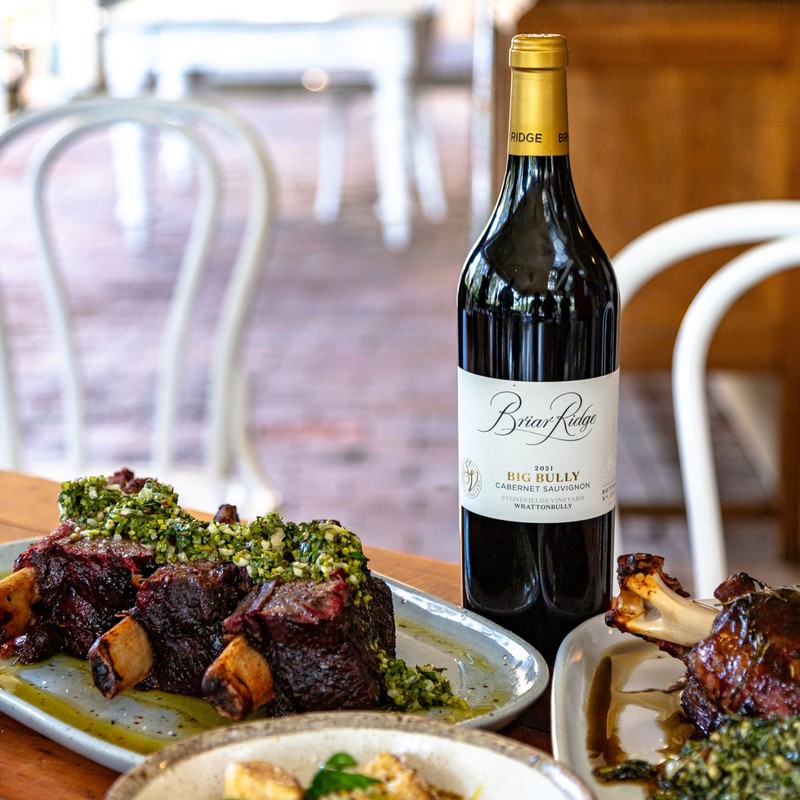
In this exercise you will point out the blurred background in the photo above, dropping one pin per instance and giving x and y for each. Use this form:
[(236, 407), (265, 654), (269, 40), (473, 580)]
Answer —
[(351, 345)]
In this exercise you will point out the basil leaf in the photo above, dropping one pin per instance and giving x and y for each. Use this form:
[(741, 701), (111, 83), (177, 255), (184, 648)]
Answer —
[(327, 781), (340, 761)]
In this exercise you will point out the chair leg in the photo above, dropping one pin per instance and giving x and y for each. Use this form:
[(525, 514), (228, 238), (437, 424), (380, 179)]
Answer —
[(425, 163), (330, 170)]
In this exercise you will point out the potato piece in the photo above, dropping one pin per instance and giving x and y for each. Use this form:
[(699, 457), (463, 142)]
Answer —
[(400, 781), (259, 780)]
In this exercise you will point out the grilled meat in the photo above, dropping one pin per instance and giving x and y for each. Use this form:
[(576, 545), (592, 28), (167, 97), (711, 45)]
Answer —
[(182, 608), (741, 659), (206, 622), (81, 585), (320, 642)]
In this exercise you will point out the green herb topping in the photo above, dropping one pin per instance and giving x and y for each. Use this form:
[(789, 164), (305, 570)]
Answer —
[(335, 776), (745, 758), (416, 688), (268, 547)]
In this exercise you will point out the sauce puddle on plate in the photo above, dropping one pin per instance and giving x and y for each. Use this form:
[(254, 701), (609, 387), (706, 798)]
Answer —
[(633, 707)]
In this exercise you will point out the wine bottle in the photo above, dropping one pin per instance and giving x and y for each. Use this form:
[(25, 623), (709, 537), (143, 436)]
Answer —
[(538, 380)]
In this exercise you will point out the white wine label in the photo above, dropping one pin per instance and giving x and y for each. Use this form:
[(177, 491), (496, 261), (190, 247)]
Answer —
[(537, 452)]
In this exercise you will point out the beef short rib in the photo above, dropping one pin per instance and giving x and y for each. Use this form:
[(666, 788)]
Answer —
[(182, 608), (321, 645), (83, 584)]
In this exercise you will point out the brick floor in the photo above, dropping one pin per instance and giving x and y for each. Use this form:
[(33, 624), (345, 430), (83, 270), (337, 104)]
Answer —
[(352, 348)]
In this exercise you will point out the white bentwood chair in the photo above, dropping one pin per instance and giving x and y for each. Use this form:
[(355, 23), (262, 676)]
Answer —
[(774, 227), (695, 445), (230, 471)]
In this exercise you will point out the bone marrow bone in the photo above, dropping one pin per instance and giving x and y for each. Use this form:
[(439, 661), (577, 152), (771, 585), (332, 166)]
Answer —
[(121, 658), (18, 593), (742, 658), (239, 681)]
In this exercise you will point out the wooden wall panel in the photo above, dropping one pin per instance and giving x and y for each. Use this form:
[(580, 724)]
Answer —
[(676, 105)]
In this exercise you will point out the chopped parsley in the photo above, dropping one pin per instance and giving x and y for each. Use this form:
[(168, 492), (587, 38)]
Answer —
[(416, 688), (88, 500)]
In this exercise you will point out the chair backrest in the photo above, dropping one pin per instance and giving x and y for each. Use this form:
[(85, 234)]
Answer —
[(225, 415), (649, 254), (693, 429), (699, 232)]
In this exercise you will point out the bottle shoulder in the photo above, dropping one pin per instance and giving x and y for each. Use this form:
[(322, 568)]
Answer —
[(529, 266), (537, 241)]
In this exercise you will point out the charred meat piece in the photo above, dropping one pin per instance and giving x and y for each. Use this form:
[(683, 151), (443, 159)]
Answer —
[(320, 644), (750, 663), (175, 629), (182, 608), (127, 481), (81, 585), (743, 659)]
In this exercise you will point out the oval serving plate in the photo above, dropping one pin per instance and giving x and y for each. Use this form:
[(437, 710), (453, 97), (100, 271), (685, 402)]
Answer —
[(496, 672), (470, 762)]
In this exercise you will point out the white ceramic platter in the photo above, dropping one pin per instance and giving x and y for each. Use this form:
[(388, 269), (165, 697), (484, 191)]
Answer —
[(641, 674), (470, 762), (496, 672)]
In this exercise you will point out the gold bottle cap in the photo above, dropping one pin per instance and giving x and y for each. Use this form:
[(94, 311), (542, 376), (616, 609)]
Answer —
[(538, 51)]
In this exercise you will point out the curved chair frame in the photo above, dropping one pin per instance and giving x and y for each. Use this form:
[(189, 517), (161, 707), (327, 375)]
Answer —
[(646, 256), (695, 446), (226, 432)]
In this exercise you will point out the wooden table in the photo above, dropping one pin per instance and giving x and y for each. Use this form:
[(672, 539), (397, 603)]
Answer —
[(34, 768)]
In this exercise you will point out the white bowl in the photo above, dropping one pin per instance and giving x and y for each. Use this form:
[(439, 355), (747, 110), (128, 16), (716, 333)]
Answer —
[(458, 759)]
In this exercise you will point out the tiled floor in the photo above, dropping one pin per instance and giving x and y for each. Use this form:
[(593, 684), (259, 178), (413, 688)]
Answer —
[(352, 349)]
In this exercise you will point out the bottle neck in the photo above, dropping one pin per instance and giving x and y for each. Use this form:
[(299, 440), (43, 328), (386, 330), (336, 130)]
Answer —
[(538, 113), (537, 194), (536, 174)]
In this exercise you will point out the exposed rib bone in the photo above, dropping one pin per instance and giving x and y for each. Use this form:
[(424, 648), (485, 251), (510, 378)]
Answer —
[(18, 592), (121, 658), (238, 681)]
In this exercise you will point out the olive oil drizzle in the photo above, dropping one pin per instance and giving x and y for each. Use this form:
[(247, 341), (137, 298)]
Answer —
[(152, 719)]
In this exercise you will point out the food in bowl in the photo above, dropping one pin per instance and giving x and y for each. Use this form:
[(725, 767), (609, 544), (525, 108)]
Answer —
[(384, 777), (460, 760)]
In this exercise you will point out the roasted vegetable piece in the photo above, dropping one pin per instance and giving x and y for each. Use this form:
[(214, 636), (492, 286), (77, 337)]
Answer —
[(259, 780)]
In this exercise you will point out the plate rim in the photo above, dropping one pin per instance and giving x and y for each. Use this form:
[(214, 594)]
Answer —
[(571, 656), (140, 775)]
